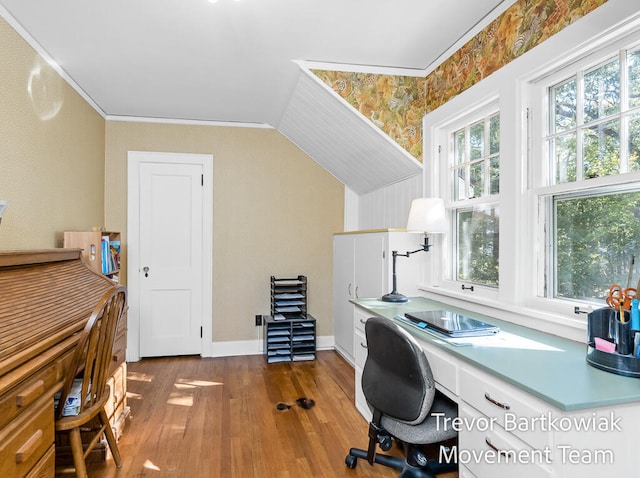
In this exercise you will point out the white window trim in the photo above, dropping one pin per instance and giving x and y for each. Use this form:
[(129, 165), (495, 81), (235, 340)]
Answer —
[(539, 169), (515, 299), (444, 132)]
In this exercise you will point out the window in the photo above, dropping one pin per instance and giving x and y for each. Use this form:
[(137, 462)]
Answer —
[(589, 195), (595, 237), (544, 154), (594, 121), (474, 182)]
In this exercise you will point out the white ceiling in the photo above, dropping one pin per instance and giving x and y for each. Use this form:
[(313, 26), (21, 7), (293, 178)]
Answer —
[(233, 61)]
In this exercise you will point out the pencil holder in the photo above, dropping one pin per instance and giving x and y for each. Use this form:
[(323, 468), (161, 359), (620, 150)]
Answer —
[(624, 344), (603, 323)]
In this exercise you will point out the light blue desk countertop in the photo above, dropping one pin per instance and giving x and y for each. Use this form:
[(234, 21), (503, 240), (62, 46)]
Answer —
[(549, 367)]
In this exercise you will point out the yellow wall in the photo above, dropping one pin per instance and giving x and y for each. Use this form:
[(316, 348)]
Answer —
[(275, 211), (51, 151), (63, 167)]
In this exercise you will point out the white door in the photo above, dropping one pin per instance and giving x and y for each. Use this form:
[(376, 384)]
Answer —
[(168, 267)]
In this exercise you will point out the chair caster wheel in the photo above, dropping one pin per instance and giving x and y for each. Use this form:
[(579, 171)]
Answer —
[(351, 461), (385, 442)]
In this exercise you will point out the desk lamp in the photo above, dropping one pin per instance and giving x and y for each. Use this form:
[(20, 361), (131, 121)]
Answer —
[(426, 216)]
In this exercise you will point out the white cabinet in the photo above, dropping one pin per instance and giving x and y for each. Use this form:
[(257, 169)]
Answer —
[(362, 268), (503, 449), (506, 428), (360, 318), (358, 272)]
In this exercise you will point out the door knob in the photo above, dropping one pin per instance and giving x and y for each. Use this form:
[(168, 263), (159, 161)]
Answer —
[(145, 269)]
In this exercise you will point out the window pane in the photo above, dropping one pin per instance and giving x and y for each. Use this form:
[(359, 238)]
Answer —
[(494, 134), (601, 150), (634, 143), (595, 237), (477, 246), (564, 106), (633, 60), (476, 140), (459, 184), (476, 177), (602, 91), (494, 173), (458, 147), (562, 150)]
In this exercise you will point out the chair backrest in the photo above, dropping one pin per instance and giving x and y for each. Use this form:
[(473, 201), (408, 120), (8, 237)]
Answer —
[(94, 352), (396, 379)]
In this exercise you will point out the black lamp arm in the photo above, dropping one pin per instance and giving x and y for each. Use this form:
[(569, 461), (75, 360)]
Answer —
[(425, 247)]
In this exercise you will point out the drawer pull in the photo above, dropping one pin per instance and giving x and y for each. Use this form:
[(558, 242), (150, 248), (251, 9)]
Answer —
[(363, 345), (496, 403), (30, 393), (496, 449), (363, 321), (29, 447)]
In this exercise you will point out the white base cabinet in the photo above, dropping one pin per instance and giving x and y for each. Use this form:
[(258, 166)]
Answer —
[(360, 347), (507, 432)]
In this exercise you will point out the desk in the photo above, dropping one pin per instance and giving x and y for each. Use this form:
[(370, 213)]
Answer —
[(527, 394), (45, 300)]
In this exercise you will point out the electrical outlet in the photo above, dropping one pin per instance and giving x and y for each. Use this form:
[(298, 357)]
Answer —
[(258, 320)]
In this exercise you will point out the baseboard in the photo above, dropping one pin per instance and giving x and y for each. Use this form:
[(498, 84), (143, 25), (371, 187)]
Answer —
[(255, 347)]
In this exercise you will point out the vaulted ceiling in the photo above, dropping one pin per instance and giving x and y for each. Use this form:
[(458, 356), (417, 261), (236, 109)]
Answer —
[(237, 61)]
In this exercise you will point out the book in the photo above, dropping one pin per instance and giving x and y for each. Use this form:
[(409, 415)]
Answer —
[(104, 251), (114, 256)]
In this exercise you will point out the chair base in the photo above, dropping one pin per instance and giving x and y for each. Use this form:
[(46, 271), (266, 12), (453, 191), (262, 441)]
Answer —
[(430, 470)]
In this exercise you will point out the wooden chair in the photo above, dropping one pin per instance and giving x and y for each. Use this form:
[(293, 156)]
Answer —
[(89, 374)]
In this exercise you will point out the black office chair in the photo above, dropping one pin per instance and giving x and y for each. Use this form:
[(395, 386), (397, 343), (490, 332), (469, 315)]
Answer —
[(400, 390)]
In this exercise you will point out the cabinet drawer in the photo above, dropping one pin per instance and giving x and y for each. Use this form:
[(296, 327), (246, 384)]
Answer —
[(360, 318), (117, 391), (45, 468), (119, 353), (491, 452), (360, 349), (519, 412), (361, 401), (463, 472), (26, 440), (445, 370), (16, 400), (120, 383)]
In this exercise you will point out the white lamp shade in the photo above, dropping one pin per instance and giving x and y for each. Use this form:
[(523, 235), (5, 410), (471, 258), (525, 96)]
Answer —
[(427, 215)]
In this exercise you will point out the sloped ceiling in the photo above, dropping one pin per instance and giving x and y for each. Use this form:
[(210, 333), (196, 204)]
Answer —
[(234, 63), (341, 140)]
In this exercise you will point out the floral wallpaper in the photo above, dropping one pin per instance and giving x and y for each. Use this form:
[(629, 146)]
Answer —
[(396, 104)]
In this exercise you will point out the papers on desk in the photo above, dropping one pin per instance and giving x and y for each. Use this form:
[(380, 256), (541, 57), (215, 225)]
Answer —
[(504, 340)]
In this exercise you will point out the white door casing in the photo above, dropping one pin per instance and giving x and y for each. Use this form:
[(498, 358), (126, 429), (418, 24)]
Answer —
[(169, 254)]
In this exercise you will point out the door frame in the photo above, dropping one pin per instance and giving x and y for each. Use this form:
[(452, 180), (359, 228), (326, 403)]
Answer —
[(134, 159)]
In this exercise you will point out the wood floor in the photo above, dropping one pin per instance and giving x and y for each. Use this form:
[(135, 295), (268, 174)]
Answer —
[(195, 417)]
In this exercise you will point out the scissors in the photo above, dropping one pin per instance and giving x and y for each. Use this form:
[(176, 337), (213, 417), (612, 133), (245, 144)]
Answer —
[(621, 297)]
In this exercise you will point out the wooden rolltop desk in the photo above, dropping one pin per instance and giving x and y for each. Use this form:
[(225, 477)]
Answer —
[(46, 296)]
